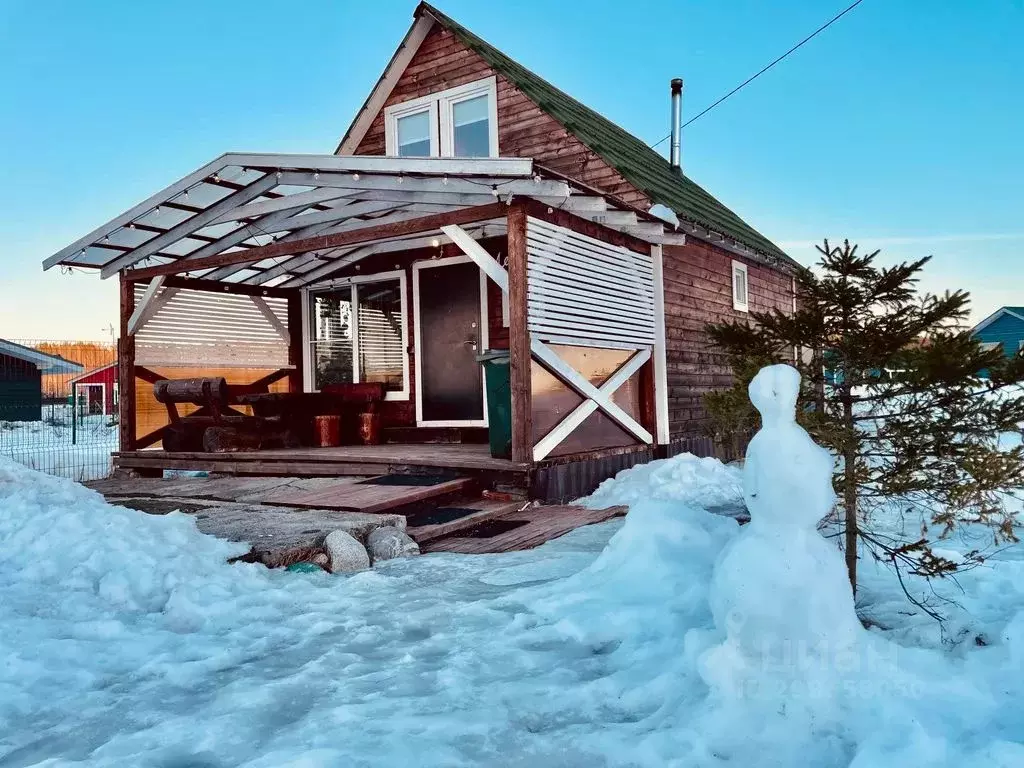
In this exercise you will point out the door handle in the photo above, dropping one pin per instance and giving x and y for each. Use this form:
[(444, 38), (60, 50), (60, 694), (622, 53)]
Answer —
[(471, 342)]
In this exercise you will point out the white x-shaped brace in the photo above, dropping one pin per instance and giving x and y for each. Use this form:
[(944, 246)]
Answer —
[(593, 397)]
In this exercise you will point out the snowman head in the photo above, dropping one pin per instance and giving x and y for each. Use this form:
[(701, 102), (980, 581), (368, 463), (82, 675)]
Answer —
[(773, 391)]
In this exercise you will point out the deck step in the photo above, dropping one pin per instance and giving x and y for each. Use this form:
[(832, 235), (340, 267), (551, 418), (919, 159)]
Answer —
[(536, 525), (478, 512), (370, 497)]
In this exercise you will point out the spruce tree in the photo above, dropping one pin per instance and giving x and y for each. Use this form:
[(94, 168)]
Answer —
[(893, 385)]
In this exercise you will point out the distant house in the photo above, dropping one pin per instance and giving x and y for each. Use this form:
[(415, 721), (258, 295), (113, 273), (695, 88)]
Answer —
[(96, 391), (1003, 328), (21, 372)]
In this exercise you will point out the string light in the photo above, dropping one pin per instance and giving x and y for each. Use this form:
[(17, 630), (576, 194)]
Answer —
[(355, 177)]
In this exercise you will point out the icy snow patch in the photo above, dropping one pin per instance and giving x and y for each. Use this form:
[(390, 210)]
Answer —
[(127, 640)]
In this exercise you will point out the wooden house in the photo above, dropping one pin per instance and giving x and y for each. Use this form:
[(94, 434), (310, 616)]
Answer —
[(471, 205), (21, 379), (1003, 328), (95, 391)]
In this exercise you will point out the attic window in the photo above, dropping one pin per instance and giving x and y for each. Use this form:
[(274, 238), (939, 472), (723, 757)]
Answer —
[(412, 130), (740, 297), (458, 122)]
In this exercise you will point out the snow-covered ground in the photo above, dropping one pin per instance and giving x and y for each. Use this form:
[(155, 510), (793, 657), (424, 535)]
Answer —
[(125, 639), (51, 445)]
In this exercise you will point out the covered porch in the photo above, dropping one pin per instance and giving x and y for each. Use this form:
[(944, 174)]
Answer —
[(293, 274)]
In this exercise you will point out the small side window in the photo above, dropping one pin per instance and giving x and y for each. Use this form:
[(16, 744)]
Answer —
[(740, 294)]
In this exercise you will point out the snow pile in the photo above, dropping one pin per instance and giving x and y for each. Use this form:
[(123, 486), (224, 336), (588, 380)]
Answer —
[(686, 479), (127, 640)]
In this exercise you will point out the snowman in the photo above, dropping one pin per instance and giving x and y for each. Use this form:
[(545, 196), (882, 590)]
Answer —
[(779, 591)]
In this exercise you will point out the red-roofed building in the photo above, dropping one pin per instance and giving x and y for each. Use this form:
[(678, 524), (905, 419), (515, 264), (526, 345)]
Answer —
[(96, 391)]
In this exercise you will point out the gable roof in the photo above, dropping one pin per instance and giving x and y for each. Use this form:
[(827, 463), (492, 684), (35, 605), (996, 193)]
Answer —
[(639, 164), (1017, 312), (93, 372), (45, 362)]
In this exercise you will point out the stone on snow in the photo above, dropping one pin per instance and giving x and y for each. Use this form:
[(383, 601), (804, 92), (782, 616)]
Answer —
[(388, 543), (347, 554)]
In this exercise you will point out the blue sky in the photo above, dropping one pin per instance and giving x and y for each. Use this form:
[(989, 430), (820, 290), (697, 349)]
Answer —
[(899, 127)]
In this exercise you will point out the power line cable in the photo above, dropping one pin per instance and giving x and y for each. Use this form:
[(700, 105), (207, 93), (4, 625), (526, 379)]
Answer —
[(754, 77)]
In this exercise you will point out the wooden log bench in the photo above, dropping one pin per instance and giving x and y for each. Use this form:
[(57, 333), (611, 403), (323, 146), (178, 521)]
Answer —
[(216, 426)]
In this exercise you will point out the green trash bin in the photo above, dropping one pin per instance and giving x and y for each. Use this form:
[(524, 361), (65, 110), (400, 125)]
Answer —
[(499, 401)]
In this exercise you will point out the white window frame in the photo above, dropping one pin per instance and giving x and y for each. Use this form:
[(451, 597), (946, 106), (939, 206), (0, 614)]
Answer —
[(739, 268), (103, 396), (440, 106), (393, 114), (355, 282)]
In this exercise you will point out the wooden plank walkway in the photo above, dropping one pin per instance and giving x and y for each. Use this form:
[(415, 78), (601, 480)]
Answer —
[(483, 511), (280, 513), (542, 524), (366, 497)]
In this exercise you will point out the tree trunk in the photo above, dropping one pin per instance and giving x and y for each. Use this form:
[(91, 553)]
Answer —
[(850, 490), (818, 366)]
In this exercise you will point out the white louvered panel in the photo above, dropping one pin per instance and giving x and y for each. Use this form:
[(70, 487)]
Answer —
[(221, 329), (586, 292)]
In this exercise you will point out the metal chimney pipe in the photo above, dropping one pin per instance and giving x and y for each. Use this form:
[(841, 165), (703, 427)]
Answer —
[(677, 119)]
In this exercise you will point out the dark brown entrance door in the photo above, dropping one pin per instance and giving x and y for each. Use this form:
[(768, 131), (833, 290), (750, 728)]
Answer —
[(450, 336)]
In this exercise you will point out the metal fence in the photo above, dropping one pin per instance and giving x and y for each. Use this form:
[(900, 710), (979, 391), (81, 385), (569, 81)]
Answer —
[(58, 405)]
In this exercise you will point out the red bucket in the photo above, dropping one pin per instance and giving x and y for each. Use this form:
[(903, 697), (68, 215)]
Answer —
[(327, 431)]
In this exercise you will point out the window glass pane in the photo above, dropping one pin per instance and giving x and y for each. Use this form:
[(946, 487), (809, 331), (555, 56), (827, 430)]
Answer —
[(471, 125), (380, 334), (414, 135), (332, 337), (740, 286)]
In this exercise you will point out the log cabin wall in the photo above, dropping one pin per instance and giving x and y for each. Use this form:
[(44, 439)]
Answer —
[(524, 130), (698, 276), (698, 291)]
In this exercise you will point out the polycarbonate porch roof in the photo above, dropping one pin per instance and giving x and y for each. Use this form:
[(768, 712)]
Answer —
[(244, 201)]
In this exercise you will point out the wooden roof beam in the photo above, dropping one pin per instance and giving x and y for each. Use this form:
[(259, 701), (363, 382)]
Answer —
[(356, 236)]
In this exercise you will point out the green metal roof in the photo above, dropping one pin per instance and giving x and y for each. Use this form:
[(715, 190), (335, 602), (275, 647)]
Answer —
[(640, 165)]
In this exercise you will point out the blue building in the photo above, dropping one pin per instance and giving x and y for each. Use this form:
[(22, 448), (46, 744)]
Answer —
[(1004, 327)]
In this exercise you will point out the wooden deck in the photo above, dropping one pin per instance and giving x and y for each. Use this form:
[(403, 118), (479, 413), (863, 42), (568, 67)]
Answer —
[(279, 516), (458, 459), (518, 530)]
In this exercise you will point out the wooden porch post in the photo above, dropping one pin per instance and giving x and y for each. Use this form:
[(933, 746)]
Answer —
[(659, 386), (126, 369), (519, 338), (295, 341)]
